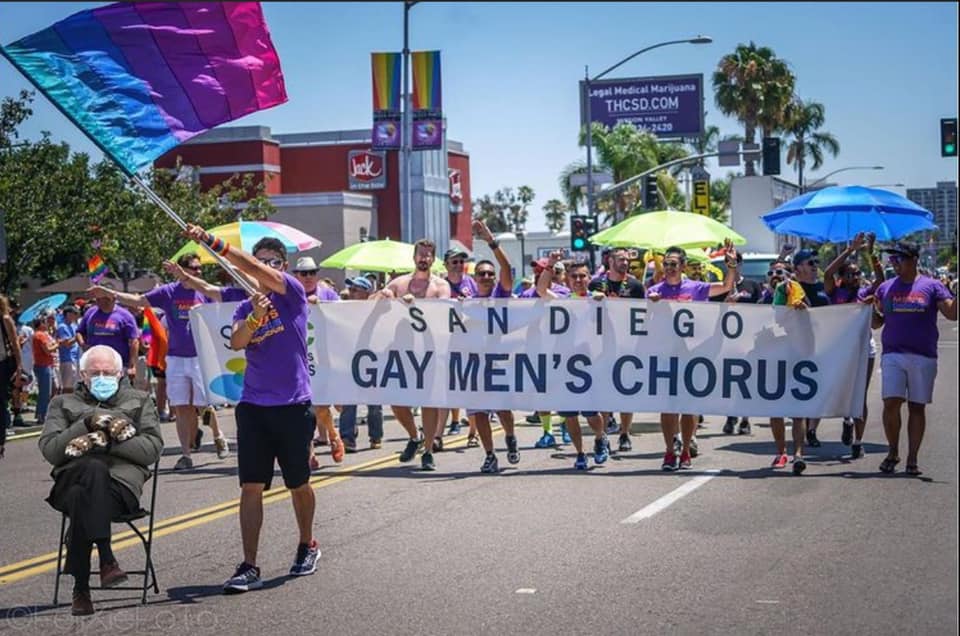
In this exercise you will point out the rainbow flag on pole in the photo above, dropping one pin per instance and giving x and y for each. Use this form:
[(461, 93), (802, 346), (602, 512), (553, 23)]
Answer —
[(139, 78), (386, 100), (97, 268), (427, 106)]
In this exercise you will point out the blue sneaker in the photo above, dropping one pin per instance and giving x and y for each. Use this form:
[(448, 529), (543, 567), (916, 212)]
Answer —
[(246, 578), (601, 450), (547, 441), (612, 425), (454, 428), (564, 435), (305, 563), (581, 463)]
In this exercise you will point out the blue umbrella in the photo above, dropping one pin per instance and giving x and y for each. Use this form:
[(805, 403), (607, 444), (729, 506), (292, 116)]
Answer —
[(42, 305), (839, 213)]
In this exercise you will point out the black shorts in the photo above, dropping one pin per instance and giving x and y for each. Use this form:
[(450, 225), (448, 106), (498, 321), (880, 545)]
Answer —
[(268, 433), (158, 373), (576, 413)]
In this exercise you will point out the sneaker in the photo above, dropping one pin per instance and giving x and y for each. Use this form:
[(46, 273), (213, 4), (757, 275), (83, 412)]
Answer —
[(184, 463), (685, 461), (197, 440), (350, 446), (601, 450), (799, 465), (728, 425), (624, 444), (856, 451), (581, 463), (19, 422), (780, 461), (473, 441), (565, 434), (375, 444), (413, 445), (246, 578), (612, 426), (305, 563), (437, 446), (671, 462), (490, 464), (533, 418), (846, 437), (223, 447), (513, 450), (677, 444), (336, 450), (694, 447), (426, 462), (745, 426), (547, 441), (812, 439)]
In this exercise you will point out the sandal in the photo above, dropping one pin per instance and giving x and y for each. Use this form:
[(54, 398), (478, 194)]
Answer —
[(913, 470), (889, 464), (473, 441)]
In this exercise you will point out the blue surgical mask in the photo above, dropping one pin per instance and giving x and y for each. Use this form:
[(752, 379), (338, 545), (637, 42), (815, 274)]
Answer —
[(103, 387)]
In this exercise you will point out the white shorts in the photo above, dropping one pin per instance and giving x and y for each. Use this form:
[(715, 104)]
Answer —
[(182, 374), (69, 375), (908, 376)]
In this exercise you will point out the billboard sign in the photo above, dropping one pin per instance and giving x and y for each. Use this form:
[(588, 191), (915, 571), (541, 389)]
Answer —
[(670, 107), (366, 169)]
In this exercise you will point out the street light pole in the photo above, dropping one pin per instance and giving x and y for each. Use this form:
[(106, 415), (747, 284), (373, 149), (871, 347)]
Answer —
[(805, 187), (700, 39), (406, 134)]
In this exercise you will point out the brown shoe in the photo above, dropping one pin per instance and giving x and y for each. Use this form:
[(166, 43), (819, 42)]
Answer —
[(82, 605), (375, 443), (111, 574)]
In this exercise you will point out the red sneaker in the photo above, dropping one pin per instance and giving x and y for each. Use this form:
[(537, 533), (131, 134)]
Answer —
[(780, 461), (670, 462), (685, 460)]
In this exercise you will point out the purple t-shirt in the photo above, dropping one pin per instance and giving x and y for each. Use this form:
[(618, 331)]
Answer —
[(277, 372), (842, 295), (115, 329), (466, 288), (910, 315), (559, 290), (176, 301), (232, 294), (686, 290), (498, 292)]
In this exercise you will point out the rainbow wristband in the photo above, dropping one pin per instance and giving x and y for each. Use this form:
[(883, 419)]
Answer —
[(217, 244), (252, 322)]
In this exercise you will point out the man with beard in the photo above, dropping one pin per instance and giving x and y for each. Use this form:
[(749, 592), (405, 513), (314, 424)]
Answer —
[(408, 287), (616, 282)]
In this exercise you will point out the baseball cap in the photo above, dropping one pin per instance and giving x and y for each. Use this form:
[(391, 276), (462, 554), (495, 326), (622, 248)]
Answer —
[(904, 248), (359, 282), (803, 255), (71, 309), (452, 252), (540, 264), (305, 264)]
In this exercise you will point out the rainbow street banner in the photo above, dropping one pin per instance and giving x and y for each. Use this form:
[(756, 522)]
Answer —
[(387, 120), (427, 103)]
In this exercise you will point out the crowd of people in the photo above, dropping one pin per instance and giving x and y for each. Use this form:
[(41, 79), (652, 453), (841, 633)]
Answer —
[(99, 412)]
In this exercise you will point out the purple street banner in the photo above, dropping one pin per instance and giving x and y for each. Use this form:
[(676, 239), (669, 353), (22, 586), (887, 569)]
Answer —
[(386, 100), (670, 107), (427, 101)]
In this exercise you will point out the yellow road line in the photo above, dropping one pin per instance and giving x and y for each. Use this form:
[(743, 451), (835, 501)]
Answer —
[(16, 436), (44, 563)]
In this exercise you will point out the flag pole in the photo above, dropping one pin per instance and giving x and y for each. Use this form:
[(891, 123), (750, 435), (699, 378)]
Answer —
[(153, 196)]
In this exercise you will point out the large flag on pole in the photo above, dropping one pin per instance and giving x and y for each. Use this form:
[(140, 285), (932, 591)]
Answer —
[(139, 78)]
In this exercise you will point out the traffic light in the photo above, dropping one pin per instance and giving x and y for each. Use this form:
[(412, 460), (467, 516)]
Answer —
[(578, 233), (948, 137), (651, 198), (771, 155)]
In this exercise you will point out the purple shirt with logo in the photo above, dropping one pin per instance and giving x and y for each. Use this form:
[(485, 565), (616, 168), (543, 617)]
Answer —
[(498, 292), (466, 288), (910, 315), (843, 295), (176, 301), (115, 329), (686, 290), (559, 290), (277, 372)]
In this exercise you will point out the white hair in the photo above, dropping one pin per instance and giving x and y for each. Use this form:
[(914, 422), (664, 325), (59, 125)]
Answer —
[(100, 351)]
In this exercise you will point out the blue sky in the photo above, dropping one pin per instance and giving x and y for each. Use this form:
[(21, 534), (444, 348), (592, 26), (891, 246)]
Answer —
[(886, 73)]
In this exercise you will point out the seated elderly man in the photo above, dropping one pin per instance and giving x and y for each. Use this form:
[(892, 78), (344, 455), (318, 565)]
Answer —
[(102, 440)]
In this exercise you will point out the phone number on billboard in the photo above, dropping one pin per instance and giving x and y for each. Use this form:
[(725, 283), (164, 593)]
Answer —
[(657, 128)]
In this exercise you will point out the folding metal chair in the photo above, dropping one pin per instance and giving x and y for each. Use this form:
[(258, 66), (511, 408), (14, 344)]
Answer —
[(148, 573)]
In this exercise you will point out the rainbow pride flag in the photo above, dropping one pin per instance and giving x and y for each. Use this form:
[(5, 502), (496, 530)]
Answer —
[(97, 268), (153, 333), (386, 81), (139, 78), (426, 81)]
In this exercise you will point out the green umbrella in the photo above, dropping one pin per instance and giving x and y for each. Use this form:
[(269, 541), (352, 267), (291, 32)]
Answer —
[(376, 256), (660, 230)]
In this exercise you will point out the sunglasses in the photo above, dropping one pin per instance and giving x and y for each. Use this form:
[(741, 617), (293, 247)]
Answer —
[(485, 274), (898, 258), (457, 261), (812, 262), (275, 263), (194, 269), (578, 276), (851, 275), (671, 264), (307, 272), (777, 272)]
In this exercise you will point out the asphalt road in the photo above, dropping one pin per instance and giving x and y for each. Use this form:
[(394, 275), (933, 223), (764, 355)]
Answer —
[(730, 547)]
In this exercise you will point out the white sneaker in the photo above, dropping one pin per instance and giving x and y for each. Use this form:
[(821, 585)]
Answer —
[(223, 447)]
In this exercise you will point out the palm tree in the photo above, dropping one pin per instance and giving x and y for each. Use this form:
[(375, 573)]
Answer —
[(804, 120), (753, 85), (572, 194), (556, 214)]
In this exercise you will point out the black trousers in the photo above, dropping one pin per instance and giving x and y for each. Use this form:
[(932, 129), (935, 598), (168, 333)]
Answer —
[(91, 499)]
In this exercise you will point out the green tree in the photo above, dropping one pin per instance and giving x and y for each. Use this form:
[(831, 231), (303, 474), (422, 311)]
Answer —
[(806, 140), (505, 210), (755, 86), (555, 212), (572, 194)]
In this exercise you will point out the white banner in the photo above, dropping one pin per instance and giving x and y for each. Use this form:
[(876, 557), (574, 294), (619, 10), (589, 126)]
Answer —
[(570, 355)]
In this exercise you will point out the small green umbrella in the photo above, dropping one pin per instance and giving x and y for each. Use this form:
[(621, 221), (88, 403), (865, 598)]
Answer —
[(660, 230), (376, 256)]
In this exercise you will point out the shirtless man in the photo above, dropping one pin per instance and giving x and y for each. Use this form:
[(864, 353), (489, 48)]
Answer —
[(408, 287)]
